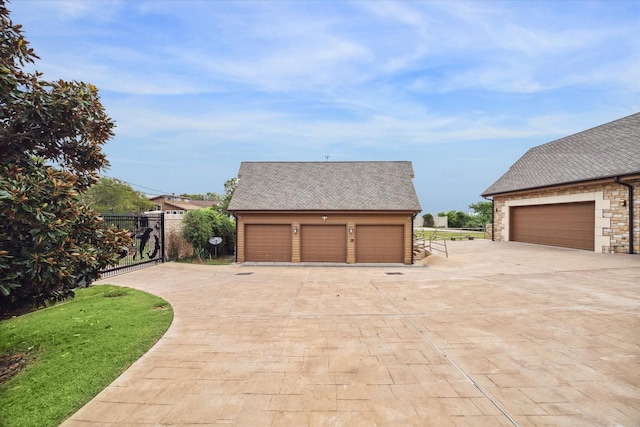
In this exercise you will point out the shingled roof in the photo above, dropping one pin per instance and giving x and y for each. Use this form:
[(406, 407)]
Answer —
[(300, 186), (606, 151)]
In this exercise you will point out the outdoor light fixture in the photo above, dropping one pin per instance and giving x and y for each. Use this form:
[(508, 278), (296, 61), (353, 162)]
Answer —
[(295, 229), (623, 203), (350, 230), (324, 217)]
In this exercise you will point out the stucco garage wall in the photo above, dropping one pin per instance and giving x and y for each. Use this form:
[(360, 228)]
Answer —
[(611, 224)]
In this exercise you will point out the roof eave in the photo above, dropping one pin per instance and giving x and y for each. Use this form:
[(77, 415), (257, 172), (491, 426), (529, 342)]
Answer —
[(414, 210), (607, 179)]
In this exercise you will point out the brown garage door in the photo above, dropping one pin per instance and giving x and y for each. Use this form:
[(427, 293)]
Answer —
[(379, 243), (570, 225), (267, 242), (323, 243)]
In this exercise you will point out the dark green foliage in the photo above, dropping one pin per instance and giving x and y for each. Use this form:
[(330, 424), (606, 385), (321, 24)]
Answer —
[(480, 216), (483, 212), (199, 225), (428, 220), (111, 195), (51, 135), (229, 188), (209, 196)]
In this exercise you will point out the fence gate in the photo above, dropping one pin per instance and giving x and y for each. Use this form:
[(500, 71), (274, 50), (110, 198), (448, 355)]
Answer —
[(147, 232)]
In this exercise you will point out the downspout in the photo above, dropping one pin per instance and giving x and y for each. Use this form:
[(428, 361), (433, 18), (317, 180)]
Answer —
[(235, 247), (493, 218), (413, 221), (631, 212)]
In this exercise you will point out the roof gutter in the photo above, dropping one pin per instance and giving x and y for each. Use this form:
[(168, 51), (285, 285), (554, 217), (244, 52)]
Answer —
[(631, 211)]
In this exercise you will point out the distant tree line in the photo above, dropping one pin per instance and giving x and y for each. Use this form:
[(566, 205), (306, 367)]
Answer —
[(479, 216), (112, 195)]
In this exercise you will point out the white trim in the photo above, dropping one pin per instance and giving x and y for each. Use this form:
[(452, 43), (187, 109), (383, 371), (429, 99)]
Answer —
[(601, 203)]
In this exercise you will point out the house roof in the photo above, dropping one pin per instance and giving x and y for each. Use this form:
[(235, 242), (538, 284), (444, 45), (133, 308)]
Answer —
[(183, 203), (203, 203), (183, 206), (606, 151), (286, 186)]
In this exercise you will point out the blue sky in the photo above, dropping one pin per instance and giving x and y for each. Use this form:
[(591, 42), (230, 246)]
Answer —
[(461, 89)]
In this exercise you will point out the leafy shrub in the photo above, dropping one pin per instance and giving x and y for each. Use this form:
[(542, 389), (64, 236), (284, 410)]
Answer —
[(428, 220), (199, 225)]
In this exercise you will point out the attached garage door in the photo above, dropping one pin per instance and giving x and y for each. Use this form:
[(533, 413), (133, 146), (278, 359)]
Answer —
[(570, 225), (379, 243), (323, 243), (268, 242)]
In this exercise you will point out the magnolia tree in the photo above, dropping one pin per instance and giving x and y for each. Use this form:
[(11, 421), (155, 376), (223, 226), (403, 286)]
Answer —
[(51, 138)]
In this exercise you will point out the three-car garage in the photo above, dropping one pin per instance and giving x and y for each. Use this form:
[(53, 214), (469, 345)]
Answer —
[(346, 242), (332, 212)]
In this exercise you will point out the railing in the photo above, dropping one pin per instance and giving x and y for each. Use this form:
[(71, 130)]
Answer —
[(437, 243), (147, 232), (435, 239), (452, 233), (432, 242)]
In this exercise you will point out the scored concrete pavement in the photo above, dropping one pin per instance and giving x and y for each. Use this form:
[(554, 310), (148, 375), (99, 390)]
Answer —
[(498, 334)]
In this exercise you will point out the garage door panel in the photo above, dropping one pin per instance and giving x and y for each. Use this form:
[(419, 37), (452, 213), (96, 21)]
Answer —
[(379, 243), (569, 225), (268, 242), (323, 243)]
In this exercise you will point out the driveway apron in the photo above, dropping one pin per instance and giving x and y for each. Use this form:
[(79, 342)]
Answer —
[(498, 334)]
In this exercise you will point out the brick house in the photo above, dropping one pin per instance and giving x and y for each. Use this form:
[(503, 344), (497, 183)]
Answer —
[(344, 212), (178, 205), (580, 191), (174, 207)]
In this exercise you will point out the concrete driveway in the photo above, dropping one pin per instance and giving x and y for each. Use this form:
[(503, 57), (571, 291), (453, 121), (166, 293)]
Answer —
[(498, 334)]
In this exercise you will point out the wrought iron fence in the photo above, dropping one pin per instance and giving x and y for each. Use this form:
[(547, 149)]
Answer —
[(147, 232)]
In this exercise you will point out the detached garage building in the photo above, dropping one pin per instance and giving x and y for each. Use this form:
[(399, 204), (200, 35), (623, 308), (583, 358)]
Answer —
[(579, 192), (340, 212)]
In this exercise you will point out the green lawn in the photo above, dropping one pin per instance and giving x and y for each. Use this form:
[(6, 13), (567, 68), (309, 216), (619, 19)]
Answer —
[(75, 349)]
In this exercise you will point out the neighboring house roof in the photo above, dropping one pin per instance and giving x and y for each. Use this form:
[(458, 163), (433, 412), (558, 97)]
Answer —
[(183, 203), (183, 206), (203, 203), (609, 150), (286, 186)]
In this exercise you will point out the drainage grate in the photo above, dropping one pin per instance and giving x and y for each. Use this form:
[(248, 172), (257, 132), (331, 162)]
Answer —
[(394, 273), (244, 274)]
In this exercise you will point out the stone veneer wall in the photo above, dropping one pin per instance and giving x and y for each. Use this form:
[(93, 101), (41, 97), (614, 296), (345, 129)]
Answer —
[(174, 245), (612, 226)]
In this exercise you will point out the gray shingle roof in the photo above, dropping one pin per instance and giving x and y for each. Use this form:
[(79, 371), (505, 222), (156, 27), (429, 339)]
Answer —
[(287, 186), (609, 150)]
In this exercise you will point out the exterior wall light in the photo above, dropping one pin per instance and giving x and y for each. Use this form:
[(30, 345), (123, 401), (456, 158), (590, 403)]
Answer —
[(324, 217), (295, 229), (623, 203), (350, 230)]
